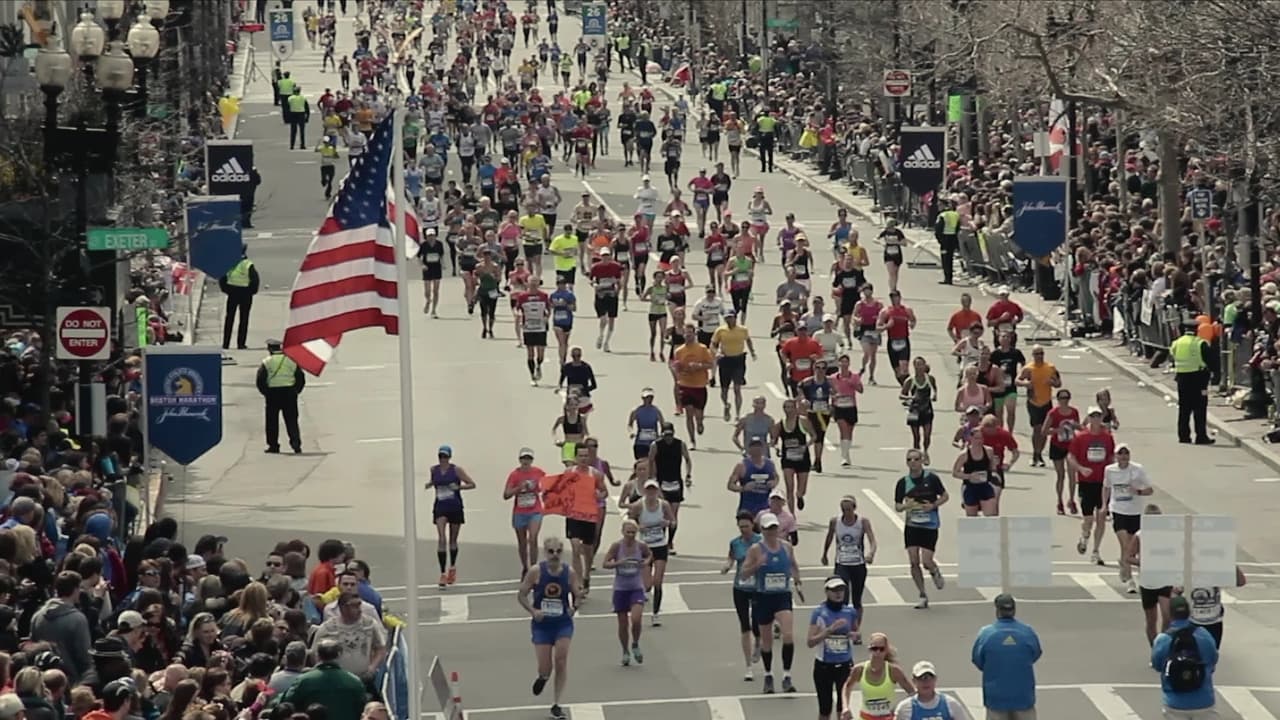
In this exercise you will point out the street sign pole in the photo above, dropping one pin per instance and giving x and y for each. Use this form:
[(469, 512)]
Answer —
[(1001, 553), (280, 24)]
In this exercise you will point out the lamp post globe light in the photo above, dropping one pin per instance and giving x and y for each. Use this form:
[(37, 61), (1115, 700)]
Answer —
[(88, 38), (143, 40), (54, 68), (157, 10), (114, 70), (111, 10)]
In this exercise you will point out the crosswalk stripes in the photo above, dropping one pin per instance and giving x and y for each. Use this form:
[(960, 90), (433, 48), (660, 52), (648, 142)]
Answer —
[(1055, 702)]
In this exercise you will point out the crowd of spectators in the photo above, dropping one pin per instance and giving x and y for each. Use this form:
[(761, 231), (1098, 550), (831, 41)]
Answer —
[(1116, 275)]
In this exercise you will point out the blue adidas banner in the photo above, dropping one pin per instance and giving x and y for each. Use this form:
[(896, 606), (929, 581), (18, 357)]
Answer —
[(1040, 214)]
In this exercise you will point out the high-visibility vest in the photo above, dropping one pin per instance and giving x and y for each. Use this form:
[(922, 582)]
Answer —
[(285, 86), (766, 124), (644, 49), (141, 318), (1186, 354), (624, 42), (719, 91), (280, 370), (297, 104), (950, 222), (239, 275)]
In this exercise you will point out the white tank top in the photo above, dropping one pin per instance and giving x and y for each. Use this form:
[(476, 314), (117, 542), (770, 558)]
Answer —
[(849, 546), (652, 531), (757, 214), (1206, 605)]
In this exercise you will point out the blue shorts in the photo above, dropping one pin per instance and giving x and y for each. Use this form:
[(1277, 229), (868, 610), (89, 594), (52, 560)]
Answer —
[(973, 494), (767, 605), (521, 521), (548, 632), (567, 327)]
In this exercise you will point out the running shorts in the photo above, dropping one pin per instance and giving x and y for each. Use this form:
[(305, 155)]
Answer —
[(1057, 452), (606, 306), (1151, 598), (846, 414), (1037, 413), (532, 251), (1128, 523), (899, 350), (693, 397), (921, 537), (454, 516), (520, 521), (567, 276), (973, 493), (1090, 497), (766, 607), (548, 632), (580, 530), (733, 370), (535, 339)]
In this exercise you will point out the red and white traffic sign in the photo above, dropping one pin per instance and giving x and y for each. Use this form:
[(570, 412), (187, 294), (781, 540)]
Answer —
[(897, 83), (84, 333)]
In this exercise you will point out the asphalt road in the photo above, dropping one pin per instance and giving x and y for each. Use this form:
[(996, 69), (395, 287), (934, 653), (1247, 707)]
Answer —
[(474, 395)]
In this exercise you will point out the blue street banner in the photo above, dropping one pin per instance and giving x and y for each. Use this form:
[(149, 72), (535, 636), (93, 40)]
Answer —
[(214, 236), (595, 19), (182, 394), (281, 25), (1040, 214), (1200, 201)]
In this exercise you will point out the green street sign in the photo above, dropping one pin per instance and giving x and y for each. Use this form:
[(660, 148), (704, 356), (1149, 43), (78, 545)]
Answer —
[(783, 24), (128, 238)]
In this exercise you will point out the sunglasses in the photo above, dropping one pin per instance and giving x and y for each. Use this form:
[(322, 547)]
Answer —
[(877, 648), (274, 563), (151, 573), (555, 552)]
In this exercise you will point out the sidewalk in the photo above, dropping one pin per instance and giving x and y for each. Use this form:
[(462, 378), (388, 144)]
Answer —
[(1224, 420)]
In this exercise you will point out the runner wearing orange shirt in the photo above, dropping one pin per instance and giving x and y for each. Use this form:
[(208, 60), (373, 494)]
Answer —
[(693, 364), (800, 352)]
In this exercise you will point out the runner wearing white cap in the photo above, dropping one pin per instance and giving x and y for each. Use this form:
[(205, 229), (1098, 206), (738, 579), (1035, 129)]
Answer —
[(773, 564), (654, 515), (928, 703), (607, 276)]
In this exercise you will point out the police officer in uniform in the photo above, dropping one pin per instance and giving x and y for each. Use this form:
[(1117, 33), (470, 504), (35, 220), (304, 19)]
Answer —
[(280, 381), (285, 86), (299, 113), (240, 284), (948, 234), (1190, 355), (766, 135)]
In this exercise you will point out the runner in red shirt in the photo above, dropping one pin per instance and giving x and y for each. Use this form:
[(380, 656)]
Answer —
[(1092, 449), (800, 352), (1060, 426), (897, 321), (534, 307), (1001, 442), (1004, 316), (607, 276)]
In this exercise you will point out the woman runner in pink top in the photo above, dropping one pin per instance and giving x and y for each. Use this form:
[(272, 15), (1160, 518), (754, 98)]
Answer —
[(846, 385)]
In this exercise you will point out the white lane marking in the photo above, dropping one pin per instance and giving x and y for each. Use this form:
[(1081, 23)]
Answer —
[(1094, 585), (371, 441), (1245, 703), (971, 698), (726, 709), (265, 235), (894, 449), (1267, 480), (361, 367), (775, 390), (673, 600), (320, 384), (454, 609), (988, 592), (1069, 357), (1109, 703), (304, 162), (884, 507), (884, 592), (1099, 379), (586, 711)]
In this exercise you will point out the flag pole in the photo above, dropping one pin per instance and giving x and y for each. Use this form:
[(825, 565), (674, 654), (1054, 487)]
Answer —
[(408, 481)]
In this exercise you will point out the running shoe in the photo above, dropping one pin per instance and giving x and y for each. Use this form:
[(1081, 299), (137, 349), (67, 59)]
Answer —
[(626, 659), (452, 575), (557, 713), (657, 621), (1071, 506), (1131, 587), (539, 684), (748, 676), (923, 603), (787, 685), (444, 581), (599, 342), (768, 684), (938, 582), (1061, 509), (635, 652), (1096, 559), (755, 653), (1082, 545)]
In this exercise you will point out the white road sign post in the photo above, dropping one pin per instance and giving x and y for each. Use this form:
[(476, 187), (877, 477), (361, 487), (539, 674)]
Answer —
[(280, 27), (1188, 550), (1004, 552)]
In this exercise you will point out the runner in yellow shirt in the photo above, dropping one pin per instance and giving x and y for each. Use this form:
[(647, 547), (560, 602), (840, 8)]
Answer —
[(533, 228), (732, 342), (564, 251), (693, 363)]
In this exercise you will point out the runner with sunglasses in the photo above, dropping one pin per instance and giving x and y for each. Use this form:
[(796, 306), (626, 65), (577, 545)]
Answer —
[(875, 681), (918, 495), (549, 593)]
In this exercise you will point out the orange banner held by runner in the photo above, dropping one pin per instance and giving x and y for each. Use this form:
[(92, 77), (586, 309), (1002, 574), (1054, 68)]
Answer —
[(571, 494)]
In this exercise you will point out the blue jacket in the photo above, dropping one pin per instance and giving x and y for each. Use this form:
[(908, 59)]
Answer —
[(1006, 652), (1201, 697)]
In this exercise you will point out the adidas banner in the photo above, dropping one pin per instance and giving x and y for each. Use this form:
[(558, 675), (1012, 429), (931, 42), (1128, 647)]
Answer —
[(228, 163), (922, 158), (1040, 214)]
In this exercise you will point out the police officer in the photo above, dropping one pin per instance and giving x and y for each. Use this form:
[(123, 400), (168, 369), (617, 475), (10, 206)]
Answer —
[(240, 284), (298, 111), (766, 136), (1190, 355), (280, 381), (947, 231), (285, 86)]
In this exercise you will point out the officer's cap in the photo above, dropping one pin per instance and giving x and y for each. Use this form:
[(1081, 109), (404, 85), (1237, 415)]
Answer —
[(274, 344)]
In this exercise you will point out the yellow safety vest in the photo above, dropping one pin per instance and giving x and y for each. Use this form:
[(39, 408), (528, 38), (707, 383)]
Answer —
[(719, 91), (285, 86), (297, 104), (766, 124), (950, 222), (624, 42), (280, 370), (1186, 354), (140, 317), (239, 275)]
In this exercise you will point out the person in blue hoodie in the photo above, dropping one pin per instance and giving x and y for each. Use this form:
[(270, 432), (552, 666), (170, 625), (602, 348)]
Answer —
[(1186, 677), (1006, 652)]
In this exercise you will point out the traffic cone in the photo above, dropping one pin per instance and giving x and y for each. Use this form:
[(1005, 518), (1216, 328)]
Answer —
[(457, 696)]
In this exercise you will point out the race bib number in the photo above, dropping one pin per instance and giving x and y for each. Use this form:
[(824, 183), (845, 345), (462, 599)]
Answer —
[(652, 535), (775, 582), (676, 288), (526, 500), (629, 567), (552, 607), (647, 436), (561, 315), (607, 283), (878, 707), (919, 517), (433, 257), (818, 406), (845, 401), (444, 493), (671, 486), (848, 554), (837, 644), (1096, 454), (1122, 492), (640, 247), (849, 283), (898, 345), (795, 453), (803, 363), (716, 255), (871, 337), (759, 480), (742, 276)]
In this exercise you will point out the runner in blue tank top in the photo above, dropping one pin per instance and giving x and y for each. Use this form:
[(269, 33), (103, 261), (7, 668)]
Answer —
[(646, 419), (830, 635), (773, 565), (448, 481), (744, 588), (549, 593), (753, 478)]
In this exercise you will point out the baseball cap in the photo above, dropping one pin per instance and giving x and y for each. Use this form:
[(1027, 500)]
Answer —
[(445, 450), (652, 482), (10, 706), (972, 409), (195, 562), (1094, 410), (756, 440), (526, 452), (834, 583), (644, 178), (1005, 601), (776, 493), (769, 520), (828, 318), (129, 620), (606, 251), (647, 393), (922, 668), (668, 428)]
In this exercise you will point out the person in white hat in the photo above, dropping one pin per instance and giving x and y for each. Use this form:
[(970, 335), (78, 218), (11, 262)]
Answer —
[(928, 703), (773, 564), (607, 277), (646, 196)]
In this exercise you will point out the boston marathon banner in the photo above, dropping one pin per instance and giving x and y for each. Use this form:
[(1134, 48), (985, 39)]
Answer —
[(922, 158), (182, 394), (1040, 214)]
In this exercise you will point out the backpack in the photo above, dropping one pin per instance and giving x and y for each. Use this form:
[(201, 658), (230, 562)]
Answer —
[(1184, 669)]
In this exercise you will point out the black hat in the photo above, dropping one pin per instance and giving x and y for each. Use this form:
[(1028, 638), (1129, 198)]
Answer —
[(109, 647), (209, 543)]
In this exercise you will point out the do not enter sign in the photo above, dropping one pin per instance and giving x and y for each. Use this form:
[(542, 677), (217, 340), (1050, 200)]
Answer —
[(84, 333), (897, 83)]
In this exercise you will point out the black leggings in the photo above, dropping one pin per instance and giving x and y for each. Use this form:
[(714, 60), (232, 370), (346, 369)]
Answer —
[(488, 306), (740, 296), (742, 604), (855, 580), (828, 680)]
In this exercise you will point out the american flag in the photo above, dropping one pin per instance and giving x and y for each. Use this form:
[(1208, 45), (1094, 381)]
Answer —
[(348, 278)]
